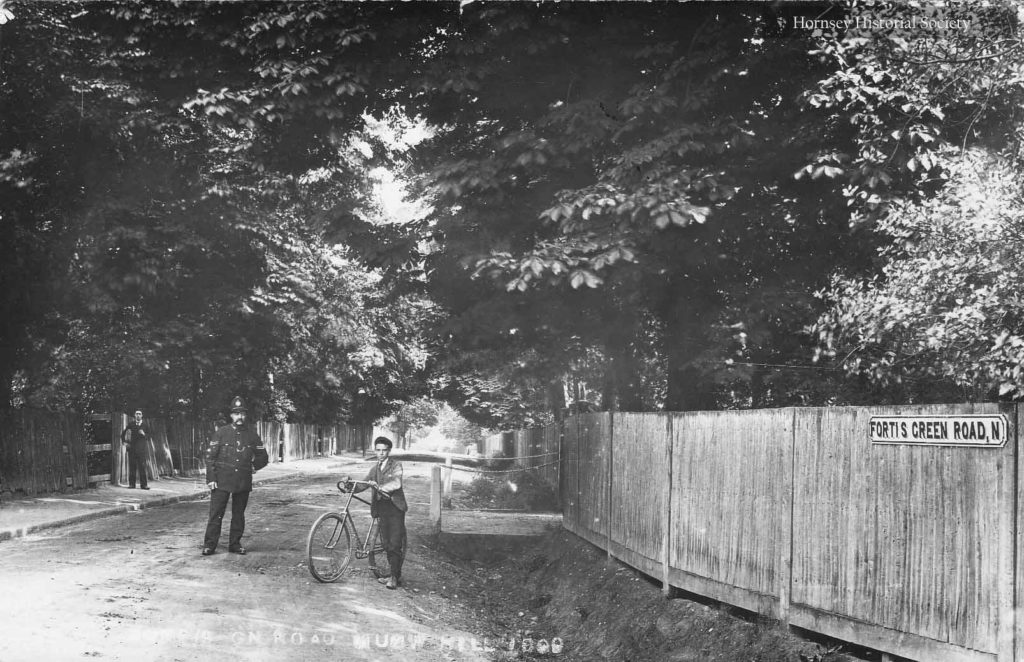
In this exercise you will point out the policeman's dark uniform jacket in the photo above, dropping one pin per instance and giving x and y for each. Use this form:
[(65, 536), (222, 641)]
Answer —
[(235, 452)]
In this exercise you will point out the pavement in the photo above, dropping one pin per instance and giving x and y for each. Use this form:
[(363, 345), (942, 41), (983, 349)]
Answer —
[(22, 516)]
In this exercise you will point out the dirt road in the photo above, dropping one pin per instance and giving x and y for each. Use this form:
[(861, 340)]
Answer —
[(134, 587)]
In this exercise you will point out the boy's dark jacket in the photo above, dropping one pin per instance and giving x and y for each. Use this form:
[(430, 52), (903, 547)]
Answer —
[(391, 472)]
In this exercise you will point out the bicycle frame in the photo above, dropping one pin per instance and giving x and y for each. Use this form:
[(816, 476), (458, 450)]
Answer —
[(363, 549)]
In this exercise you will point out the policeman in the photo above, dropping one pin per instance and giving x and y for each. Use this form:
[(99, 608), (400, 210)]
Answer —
[(235, 453)]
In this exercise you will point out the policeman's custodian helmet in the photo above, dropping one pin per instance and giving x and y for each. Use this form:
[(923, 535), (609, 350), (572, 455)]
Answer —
[(237, 403)]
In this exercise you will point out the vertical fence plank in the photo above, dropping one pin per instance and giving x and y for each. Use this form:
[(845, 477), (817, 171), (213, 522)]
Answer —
[(1019, 538), (75, 441), (118, 423), (784, 570), (731, 472), (570, 474), (666, 518), (593, 456), (1006, 579), (638, 492), (553, 446), (609, 483)]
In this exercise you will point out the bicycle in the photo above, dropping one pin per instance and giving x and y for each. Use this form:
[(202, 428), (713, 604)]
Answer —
[(330, 548)]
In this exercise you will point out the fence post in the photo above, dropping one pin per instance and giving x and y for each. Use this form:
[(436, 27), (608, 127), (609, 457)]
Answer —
[(448, 478), (666, 517), (576, 512), (1008, 544), (786, 549), (611, 474), (435, 499), (558, 465), (118, 452)]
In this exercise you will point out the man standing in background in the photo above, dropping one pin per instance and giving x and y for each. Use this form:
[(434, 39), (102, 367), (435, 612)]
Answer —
[(136, 438)]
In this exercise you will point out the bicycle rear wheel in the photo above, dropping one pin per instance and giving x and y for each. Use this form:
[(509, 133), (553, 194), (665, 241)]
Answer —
[(329, 547), (379, 558)]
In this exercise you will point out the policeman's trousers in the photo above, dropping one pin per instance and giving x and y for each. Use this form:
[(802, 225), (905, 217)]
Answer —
[(219, 504)]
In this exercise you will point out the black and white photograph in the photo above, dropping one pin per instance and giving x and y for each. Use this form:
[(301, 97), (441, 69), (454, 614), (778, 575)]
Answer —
[(478, 330)]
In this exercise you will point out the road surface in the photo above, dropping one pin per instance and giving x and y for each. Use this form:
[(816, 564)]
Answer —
[(135, 587)]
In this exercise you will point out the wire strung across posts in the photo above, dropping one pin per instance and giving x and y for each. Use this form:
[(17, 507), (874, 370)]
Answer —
[(504, 471), (523, 457)]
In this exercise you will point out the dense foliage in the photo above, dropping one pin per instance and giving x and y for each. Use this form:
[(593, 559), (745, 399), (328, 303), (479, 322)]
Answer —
[(933, 163), (163, 265), (619, 205)]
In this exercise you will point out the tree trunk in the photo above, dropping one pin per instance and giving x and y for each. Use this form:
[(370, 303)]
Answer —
[(622, 389), (685, 340), (687, 391), (556, 399)]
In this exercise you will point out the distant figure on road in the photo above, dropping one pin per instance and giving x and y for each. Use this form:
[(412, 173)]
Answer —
[(388, 503), (235, 453), (136, 438)]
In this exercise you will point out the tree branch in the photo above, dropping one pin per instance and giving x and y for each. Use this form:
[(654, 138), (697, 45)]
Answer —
[(979, 58)]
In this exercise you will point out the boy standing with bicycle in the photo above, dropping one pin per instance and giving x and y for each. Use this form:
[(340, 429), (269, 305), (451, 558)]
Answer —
[(388, 504)]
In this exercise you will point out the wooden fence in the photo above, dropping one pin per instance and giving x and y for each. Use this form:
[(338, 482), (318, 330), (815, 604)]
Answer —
[(796, 514), (43, 452), (535, 450), (295, 441)]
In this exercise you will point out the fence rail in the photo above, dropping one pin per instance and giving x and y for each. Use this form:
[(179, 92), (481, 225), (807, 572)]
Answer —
[(795, 514)]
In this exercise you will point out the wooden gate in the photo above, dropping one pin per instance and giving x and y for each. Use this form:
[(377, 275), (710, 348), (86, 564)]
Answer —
[(99, 448)]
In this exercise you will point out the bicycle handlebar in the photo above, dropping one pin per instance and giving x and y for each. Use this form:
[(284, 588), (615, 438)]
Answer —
[(342, 483)]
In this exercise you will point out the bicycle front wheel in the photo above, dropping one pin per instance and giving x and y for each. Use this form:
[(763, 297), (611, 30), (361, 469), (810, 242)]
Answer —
[(329, 547)]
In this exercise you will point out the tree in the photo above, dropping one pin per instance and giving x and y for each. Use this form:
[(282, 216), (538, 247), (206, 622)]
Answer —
[(145, 271), (942, 319), (44, 147), (177, 270), (411, 417), (626, 178), (931, 165), (460, 432)]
